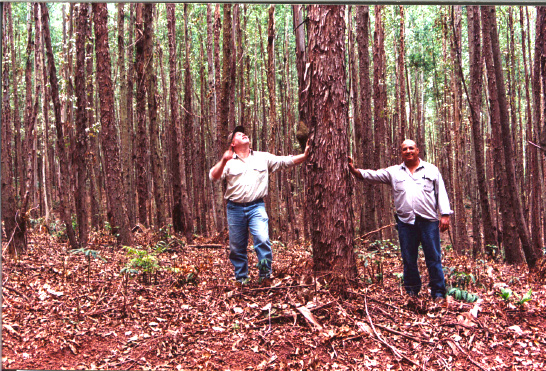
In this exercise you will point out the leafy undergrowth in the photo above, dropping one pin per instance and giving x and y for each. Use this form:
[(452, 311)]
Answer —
[(165, 305)]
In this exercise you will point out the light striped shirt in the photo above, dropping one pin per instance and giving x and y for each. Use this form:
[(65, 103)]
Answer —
[(422, 193)]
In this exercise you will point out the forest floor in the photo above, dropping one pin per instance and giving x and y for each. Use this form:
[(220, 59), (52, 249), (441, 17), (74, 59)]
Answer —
[(71, 311)]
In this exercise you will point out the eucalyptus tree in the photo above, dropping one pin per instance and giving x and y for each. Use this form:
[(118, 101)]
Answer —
[(330, 185)]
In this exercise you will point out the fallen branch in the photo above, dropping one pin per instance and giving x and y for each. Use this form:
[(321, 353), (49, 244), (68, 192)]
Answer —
[(287, 316), (391, 348), (364, 236), (208, 246), (16, 291), (465, 353), (407, 336), (277, 287)]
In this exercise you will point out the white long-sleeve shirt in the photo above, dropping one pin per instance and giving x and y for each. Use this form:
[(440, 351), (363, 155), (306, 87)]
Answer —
[(422, 193), (248, 179)]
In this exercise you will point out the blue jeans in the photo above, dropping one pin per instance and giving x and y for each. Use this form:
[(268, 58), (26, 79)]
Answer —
[(242, 218), (426, 233)]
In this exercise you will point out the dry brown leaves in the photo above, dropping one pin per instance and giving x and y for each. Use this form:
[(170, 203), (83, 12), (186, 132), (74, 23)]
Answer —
[(53, 318)]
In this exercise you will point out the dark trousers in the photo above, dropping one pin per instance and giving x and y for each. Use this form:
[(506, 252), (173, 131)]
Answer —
[(426, 233)]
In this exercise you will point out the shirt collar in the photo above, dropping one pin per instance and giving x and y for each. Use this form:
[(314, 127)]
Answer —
[(235, 155), (421, 165)]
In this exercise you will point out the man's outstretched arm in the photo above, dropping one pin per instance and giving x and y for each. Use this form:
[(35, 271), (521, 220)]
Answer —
[(354, 170), (218, 169)]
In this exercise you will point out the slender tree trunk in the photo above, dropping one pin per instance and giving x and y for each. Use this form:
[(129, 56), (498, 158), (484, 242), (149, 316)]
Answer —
[(273, 200), (93, 161), (18, 168), (188, 150), (142, 133), (212, 55), (364, 128), (180, 197), (226, 88), (125, 124), (534, 127), (131, 200), (10, 214), (151, 91), (109, 137), (61, 146), (41, 75), (476, 80), (380, 111), (80, 165), (459, 224), (514, 202), (303, 102), (401, 74), (330, 182)]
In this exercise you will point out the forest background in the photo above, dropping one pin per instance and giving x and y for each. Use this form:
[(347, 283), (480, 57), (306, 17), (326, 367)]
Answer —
[(124, 132), (112, 115)]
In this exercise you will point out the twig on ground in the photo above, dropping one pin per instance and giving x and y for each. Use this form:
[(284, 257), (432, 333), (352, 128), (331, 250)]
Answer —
[(207, 246), (17, 292), (465, 353), (394, 351), (278, 287), (363, 237)]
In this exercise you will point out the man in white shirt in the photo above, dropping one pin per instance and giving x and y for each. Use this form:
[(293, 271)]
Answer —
[(247, 175), (419, 193)]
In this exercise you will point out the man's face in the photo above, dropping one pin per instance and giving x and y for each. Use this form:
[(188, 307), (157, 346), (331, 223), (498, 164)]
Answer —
[(239, 138), (409, 151)]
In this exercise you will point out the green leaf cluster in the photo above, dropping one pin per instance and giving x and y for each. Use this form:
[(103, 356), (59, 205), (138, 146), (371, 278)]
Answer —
[(459, 294)]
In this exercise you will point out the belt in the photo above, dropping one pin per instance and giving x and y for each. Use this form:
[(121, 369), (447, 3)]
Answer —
[(245, 204)]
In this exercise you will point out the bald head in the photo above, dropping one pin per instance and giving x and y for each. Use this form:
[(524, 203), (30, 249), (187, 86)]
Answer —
[(410, 153), (408, 142)]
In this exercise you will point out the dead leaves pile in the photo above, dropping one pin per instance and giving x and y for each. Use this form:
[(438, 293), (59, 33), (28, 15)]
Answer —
[(53, 318)]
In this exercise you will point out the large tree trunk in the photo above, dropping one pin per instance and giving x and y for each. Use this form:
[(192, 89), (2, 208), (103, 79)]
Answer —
[(514, 202), (80, 165), (151, 90), (64, 208), (109, 138), (330, 182)]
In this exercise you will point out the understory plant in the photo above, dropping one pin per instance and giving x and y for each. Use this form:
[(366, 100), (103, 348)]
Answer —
[(89, 254), (143, 262)]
